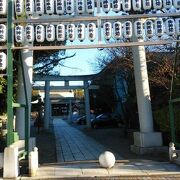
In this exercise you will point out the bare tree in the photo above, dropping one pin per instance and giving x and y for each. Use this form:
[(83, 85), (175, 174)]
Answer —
[(50, 61)]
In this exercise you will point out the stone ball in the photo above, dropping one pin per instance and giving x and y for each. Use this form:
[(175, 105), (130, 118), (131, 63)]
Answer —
[(107, 159)]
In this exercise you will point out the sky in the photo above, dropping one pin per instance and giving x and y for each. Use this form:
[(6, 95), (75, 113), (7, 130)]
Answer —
[(81, 63)]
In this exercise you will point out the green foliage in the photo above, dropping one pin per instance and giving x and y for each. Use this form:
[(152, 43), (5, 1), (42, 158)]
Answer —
[(161, 119), (79, 93), (3, 85), (3, 95), (162, 122), (35, 95)]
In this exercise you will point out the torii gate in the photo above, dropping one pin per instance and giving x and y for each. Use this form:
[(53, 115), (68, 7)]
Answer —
[(66, 79), (146, 137)]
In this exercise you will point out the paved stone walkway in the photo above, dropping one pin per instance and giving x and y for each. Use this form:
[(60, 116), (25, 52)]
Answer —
[(73, 145)]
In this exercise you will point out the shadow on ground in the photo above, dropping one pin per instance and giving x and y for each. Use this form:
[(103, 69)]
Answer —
[(45, 141)]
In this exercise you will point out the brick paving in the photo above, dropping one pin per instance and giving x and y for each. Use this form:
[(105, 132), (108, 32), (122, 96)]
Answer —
[(73, 145)]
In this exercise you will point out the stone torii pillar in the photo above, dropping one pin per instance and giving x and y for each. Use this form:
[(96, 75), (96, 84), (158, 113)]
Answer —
[(87, 103), (50, 113), (70, 111), (146, 139), (47, 105), (27, 60)]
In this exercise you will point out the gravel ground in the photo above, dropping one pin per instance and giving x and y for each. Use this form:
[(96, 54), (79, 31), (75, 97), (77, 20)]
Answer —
[(118, 142), (45, 141)]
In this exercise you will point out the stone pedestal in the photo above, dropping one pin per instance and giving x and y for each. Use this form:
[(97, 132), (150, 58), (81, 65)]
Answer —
[(146, 142), (11, 163)]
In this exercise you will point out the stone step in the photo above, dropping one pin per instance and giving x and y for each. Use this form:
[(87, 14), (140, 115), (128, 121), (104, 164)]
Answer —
[(145, 177), (122, 170)]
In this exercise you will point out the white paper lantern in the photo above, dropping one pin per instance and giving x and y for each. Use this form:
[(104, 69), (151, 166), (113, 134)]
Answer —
[(107, 159), (50, 32), (71, 32), (81, 32), (80, 6), (19, 7), (136, 4), (159, 27), (167, 4), (60, 6), (19, 33), (70, 6), (49, 5), (116, 5), (149, 30), (147, 4), (29, 7), (29, 33), (157, 4), (60, 32), (3, 61), (3, 7), (170, 27), (107, 29), (176, 4), (106, 5), (126, 5), (3, 33), (138, 29), (90, 6), (127, 29), (39, 6), (40, 33), (91, 28), (177, 26), (117, 30)]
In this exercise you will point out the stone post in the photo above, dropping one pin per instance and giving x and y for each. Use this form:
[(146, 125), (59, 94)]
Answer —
[(46, 105), (87, 104), (11, 163), (70, 110), (50, 113)]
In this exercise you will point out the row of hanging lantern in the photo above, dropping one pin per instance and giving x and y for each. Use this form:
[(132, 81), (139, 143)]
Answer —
[(41, 33), (85, 6), (116, 30), (54, 6), (3, 61), (138, 5), (149, 28), (81, 6)]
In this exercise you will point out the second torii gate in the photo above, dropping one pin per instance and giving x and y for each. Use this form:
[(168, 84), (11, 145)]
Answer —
[(66, 79)]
